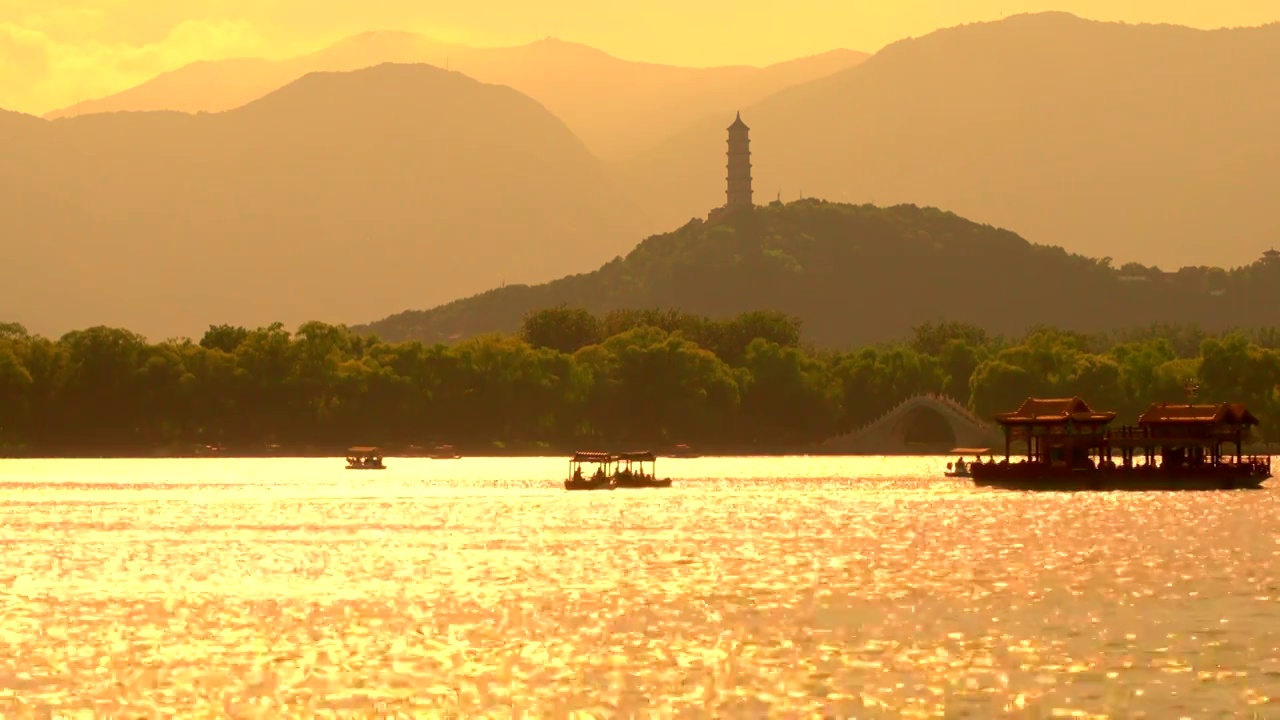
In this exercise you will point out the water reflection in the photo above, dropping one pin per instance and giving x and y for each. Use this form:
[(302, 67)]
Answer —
[(854, 587)]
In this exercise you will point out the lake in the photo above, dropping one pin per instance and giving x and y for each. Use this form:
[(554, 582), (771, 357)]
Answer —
[(756, 587)]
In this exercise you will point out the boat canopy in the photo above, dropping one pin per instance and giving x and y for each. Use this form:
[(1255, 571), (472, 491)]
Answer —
[(644, 456), (363, 450), (592, 457), (1219, 414), (970, 451)]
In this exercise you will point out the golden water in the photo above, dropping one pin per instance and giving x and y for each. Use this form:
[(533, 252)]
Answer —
[(757, 587)]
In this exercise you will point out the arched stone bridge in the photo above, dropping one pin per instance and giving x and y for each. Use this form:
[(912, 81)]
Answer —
[(889, 433)]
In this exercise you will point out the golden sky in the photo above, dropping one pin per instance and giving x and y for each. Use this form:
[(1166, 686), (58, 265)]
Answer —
[(55, 52)]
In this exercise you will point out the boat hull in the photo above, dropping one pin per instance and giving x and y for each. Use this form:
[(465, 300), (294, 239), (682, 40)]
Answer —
[(1138, 480), (588, 485), (634, 484)]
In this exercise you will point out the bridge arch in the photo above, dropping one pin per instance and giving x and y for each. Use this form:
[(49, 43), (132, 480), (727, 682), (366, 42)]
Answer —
[(922, 426), (921, 423)]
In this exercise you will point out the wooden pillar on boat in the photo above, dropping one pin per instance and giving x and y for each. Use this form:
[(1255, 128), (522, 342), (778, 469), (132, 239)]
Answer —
[(1148, 454), (1007, 442)]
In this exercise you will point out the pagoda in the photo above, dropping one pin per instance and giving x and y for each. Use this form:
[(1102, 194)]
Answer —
[(738, 192)]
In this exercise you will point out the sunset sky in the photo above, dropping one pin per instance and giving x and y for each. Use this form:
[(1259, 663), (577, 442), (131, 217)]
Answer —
[(55, 52)]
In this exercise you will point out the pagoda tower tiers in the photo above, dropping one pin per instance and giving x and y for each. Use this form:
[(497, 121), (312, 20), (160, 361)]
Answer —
[(739, 180)]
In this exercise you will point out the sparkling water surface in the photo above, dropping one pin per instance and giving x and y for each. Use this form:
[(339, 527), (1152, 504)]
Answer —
[(756, 587)]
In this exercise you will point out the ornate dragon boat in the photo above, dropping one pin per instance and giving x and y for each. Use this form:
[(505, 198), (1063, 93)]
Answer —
[(1070, 446)]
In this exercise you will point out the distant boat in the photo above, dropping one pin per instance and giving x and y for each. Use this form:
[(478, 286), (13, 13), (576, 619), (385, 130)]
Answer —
[(959, 469), (601, 479), (631, 474), (364, 458), (682, 451), (444, 452)]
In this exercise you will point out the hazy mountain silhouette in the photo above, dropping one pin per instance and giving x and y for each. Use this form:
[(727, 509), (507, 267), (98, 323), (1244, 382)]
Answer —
[(858, 274), (217, 85), (1147, 142), (616, 106), (340, 196)]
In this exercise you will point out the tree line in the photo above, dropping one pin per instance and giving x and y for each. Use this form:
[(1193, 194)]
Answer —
[(570, 378)]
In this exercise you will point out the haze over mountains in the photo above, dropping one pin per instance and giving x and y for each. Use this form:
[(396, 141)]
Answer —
[(342, 196), (1136, 142), (347, 197), (617, 107)]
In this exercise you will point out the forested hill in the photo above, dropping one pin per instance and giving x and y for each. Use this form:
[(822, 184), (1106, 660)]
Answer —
[(858, 274)]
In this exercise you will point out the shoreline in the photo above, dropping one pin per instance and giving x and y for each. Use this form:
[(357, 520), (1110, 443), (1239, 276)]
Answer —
[(459, 451), (481, 450), (389, 455)]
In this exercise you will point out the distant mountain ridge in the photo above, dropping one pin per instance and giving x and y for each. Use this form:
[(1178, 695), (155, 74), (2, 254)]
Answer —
[(1157, 145), (1135, 142), (337, 196), (616, 106), (858, 275)]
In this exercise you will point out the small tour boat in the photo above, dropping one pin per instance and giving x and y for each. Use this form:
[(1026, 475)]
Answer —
[(682, 451), (601, 479), (958, 469), (631, 471), (364, 458), (444, 452)]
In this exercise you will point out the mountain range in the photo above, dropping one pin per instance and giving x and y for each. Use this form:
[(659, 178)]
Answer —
[(345, 196), (341, 195), (617, 107)]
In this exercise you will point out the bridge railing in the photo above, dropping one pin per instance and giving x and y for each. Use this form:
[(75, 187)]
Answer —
[(945, 400)]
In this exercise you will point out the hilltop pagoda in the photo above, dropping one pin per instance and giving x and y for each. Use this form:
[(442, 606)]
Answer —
[(738, 192)]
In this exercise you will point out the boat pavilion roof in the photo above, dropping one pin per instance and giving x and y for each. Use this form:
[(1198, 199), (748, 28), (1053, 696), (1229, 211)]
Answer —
[(1052, 411), (1205, 414)]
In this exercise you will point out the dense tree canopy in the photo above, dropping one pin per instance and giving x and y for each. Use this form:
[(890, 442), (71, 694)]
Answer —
[(573, 378)]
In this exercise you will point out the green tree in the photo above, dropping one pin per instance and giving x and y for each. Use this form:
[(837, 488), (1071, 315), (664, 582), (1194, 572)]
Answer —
[(788, 396), (223, 337), (562, 328), (998, 386)]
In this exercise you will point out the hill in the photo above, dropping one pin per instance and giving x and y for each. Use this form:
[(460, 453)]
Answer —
[(860, 274), (616, 106), (341, 195), (1135, 142)]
